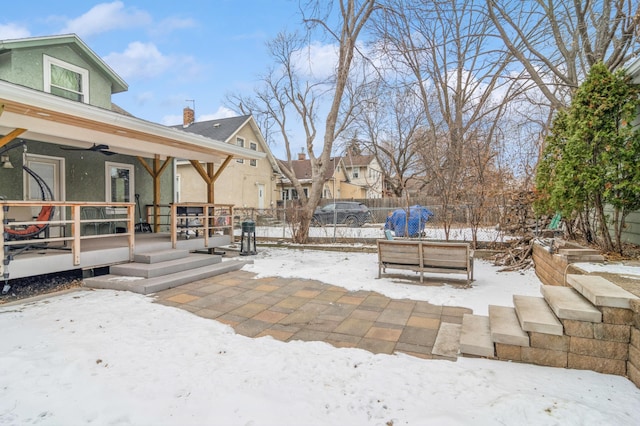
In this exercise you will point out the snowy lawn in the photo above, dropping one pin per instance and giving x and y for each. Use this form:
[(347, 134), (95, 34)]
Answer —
[(116, 358)]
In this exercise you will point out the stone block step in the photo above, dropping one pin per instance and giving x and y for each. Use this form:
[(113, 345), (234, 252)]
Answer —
[(600, 291), (150, 270), (505, 327), (160, 256), (595, 258), (475, 336), (152, 285), (447, 342), (568, 304), (578, 251), (535, 315)]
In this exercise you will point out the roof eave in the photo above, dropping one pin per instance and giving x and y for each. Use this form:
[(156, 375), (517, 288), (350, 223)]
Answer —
[(116, 125)]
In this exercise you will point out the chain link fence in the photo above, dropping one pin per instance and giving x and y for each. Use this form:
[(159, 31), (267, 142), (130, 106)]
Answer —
[(277, 224)]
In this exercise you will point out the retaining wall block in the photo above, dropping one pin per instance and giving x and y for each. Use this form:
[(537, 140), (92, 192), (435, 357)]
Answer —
[(600, 365), (508, 352), (633, 373), (578, 328), (599, 348), (548, 341), (545, 357), (635, 337), (612, 332), (616, 315)]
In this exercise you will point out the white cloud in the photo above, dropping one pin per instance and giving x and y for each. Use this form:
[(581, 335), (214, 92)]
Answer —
[(317, 60), (106, 17), (140, 60), (222, 112), (169, 24), (171, 120), (13, 31)]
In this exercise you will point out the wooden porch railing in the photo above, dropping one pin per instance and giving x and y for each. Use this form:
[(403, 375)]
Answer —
[(69, 224), (69, 221), (201, 219)]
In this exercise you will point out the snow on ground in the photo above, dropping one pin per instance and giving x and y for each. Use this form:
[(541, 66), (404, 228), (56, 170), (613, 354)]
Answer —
[(115, 358)]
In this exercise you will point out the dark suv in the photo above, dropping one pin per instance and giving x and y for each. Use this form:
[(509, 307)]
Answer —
[(349, 213)]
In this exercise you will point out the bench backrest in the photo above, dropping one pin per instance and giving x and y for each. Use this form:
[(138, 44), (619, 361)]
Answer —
[(399, 252), (446, 255), (435, 255)]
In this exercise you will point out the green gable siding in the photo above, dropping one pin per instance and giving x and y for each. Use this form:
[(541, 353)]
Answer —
[(25, 67)]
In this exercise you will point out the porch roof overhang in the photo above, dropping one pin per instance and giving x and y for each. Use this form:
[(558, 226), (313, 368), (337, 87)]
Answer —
[(52, 119)]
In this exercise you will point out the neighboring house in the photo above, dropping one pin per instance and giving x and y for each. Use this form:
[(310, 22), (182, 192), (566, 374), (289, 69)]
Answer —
[(631, 232), (57, 118), (365, 172), (244, 183), (337, 185)]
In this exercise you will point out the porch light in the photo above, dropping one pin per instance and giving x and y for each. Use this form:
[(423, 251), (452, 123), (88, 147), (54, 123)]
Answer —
[(6, 163)]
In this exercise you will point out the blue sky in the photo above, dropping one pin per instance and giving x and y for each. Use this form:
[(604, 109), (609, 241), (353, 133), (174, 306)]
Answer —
[(168, 52)]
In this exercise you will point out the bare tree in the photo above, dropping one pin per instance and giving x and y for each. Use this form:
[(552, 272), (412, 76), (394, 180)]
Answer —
[(286, 94), (387, 125), (557, 42), (445, 51)]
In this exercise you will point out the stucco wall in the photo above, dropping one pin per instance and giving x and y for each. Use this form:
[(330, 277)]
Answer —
[(25, 67), (84, 174)]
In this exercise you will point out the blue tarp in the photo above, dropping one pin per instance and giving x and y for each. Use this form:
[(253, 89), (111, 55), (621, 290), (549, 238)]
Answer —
[(418, 217)]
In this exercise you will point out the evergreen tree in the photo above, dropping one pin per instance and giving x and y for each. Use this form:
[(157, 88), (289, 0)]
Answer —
[(591, 159)]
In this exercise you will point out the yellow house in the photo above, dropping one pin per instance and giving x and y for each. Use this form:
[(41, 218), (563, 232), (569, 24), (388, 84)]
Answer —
[(365, 174), (337, 185), (244, 183)]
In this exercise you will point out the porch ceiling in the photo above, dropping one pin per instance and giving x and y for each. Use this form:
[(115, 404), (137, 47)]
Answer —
[(52, 119)]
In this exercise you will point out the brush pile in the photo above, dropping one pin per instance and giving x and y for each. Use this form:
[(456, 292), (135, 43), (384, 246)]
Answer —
[(516, 257)]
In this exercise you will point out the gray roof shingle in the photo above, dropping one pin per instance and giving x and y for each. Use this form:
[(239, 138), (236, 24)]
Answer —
[(220, 129)]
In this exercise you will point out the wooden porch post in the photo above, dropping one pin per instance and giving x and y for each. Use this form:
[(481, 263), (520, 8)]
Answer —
[(155, 173), (209, 176)]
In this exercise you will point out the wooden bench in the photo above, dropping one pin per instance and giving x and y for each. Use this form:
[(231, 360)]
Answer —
[(425, 256)]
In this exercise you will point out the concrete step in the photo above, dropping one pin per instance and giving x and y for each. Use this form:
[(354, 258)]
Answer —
[(152, 285), (567, 303), (475, 336), (447, 342), (535, 315), (160, 256), (600, 291), (505, 327), (150, 270)]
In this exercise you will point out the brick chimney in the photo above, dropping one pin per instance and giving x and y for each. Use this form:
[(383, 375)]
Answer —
[(188, 117), (302, 155)]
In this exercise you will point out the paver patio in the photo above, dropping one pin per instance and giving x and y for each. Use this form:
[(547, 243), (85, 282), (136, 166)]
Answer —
[(294, 309)]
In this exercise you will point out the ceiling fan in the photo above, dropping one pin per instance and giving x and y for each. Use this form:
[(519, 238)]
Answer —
[(102, 148)]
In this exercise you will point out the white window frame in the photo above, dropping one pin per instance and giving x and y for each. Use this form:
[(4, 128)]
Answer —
[(240, 143), (48, 61), (355, 172), (108, 165), (254, 147)]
